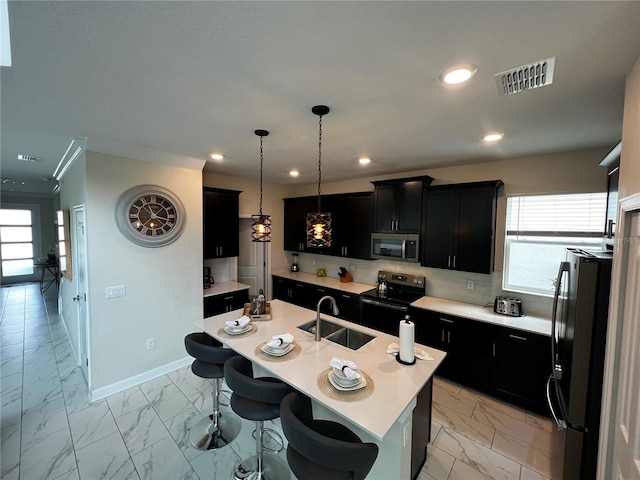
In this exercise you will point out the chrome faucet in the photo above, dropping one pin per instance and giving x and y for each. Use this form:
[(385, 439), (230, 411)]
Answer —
[(335, 312)]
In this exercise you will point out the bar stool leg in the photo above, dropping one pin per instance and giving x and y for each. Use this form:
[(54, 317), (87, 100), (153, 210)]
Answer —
[(261, 466), (216, 430)]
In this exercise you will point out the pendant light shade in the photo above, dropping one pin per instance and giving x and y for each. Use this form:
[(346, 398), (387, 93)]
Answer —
[(261, 224), (319, 223)]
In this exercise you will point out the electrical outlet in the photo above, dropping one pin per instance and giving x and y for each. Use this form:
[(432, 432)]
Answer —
[(151, 343), (471, 284), (313, 262), (352, 267), (116, 291)]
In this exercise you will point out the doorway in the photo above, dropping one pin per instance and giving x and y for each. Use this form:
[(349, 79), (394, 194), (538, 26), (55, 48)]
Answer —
[(253, 260), (80, 269)]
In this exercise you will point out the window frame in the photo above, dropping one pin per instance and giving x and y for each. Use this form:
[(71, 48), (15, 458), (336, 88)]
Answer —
[(36, 240), (580, 239)]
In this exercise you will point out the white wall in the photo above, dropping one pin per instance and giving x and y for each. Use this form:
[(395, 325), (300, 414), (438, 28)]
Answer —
[(163, 285)]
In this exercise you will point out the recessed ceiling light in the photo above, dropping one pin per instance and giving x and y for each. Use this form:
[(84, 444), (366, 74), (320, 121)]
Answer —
[(493, 136), (364, 160), (294, 173), (216, 156), (458, 74)]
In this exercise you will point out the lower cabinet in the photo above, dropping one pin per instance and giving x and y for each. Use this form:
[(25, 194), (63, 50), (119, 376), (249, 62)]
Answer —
[(507, 363), (225, 302), (307, 295)]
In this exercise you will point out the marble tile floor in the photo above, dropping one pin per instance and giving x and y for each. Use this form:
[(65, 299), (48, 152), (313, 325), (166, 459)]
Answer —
[(49, 430)]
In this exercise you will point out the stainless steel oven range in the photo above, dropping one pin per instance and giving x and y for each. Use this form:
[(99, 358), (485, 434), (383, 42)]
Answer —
[(383, 308)]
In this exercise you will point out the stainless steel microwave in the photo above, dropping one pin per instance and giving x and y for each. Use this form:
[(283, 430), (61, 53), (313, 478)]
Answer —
[(395, 246)]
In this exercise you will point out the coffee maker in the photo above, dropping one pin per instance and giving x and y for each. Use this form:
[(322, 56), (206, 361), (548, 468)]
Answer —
[(207, 278), (294, 265)]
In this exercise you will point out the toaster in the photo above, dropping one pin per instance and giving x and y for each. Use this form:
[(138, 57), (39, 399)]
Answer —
[(508, 306)]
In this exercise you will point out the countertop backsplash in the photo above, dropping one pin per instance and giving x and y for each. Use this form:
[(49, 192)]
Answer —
[(223, 269), (448, 284)]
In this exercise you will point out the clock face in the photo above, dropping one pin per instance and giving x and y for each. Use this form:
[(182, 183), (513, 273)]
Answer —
[(149, 215)]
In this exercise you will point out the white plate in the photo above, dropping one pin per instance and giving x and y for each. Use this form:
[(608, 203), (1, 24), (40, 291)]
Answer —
[(279, 353), (276, 349), (234, 331), (362, 383), (342, 379)]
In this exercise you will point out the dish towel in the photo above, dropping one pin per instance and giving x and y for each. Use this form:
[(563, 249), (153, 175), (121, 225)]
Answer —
[(394, 349), (241, 322), (280, 340), (347, 367)]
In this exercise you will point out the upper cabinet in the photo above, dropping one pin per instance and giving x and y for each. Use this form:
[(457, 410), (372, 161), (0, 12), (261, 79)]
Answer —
[(612, 162), (459, 226), (221, 224), (397, 204), (351, 223)]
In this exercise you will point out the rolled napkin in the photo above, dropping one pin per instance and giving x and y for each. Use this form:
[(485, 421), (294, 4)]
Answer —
[(407, 341), (347, 367), (280, 340), (241, 322), (394, 349)]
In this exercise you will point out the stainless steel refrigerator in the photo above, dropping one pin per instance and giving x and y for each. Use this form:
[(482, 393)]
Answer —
[(579, 330)]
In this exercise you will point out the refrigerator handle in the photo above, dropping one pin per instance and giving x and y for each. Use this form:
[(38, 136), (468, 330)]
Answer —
[(556, 369), (560, 423)]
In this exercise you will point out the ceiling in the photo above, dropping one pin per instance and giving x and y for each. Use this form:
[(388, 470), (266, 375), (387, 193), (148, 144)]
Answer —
[(191, 78)]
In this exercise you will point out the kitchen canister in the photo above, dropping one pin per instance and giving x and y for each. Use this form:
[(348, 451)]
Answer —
[(407, 342)]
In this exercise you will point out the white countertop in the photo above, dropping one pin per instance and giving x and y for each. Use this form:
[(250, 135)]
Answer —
[(224, 287), (396, 385), (484, 314), (335, 283)]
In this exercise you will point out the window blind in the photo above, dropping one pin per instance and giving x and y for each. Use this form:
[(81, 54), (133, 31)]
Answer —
[(557, 215)]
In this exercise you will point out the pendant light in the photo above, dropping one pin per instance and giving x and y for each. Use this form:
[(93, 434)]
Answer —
[(319, 223), (261, 226)]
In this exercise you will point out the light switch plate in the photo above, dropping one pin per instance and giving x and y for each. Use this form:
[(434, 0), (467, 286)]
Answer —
[(116, 291)]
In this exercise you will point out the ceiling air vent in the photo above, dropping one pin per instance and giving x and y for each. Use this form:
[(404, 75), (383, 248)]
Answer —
[(526, 77)]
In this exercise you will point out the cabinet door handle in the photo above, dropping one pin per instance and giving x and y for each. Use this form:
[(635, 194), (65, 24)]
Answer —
[(442, 336), (446, 320), (230, 297), (449, 336), (321, 290), (454, 261), (517, 337), (346, 296), (449, 261), (494, 349)]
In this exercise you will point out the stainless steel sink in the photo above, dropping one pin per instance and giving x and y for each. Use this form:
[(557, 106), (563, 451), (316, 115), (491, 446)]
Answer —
[(353, 339), (326, 327), (347, 337)]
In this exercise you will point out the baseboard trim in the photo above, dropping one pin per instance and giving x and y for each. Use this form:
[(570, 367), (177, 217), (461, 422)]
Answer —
[(103, 392)]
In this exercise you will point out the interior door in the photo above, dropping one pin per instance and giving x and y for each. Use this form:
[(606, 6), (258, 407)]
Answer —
[(80, 256), (252, 260), (626, 451)]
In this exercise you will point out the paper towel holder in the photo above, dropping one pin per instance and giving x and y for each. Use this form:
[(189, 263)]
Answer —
[(406, 319), (406, 363)]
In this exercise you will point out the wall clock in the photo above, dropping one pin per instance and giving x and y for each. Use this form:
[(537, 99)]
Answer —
[(150, 216)]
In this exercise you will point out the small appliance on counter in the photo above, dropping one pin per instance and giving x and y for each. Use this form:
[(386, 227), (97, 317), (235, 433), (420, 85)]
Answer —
[(508, 306), (294, 265), (207, 280), (344, 275)]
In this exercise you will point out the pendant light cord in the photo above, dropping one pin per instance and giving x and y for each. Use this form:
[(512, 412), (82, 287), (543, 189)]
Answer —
[(261, 159), (319, 159)]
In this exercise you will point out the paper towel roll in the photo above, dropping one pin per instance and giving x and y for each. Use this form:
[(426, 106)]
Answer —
[(407, 341)]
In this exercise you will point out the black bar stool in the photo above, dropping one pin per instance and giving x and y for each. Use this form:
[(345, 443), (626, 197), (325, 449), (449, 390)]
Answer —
[(322, 449), (256, 399), (216, 430)]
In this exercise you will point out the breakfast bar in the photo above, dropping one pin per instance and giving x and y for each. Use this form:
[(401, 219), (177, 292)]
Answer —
[(382, 413)]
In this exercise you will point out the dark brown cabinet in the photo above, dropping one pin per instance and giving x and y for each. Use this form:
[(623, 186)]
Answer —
[(225, 302), (307, 295), (397, 204), (612, 162), (351, 224), (520, 367), (507, 363), (220, 222), (459, 226)]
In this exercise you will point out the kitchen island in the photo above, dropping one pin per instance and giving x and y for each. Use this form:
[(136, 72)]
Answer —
[(385, 417)]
